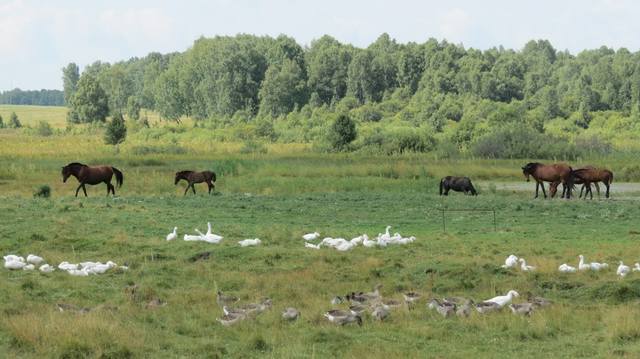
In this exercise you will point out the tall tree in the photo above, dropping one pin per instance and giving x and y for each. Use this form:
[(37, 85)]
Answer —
[(70, 77), (283, 88), (90, 102)]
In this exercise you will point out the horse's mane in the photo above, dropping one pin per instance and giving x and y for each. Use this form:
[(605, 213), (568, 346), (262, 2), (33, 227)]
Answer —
[(72, 164), (533, 165), (183, 172)]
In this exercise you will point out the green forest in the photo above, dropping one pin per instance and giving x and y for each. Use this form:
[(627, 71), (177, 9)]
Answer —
[(32, 97), (532, 102)]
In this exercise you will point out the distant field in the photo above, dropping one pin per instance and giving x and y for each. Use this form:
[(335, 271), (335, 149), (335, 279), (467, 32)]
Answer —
[(30, 115)]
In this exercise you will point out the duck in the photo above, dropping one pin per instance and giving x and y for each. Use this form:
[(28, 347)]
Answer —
[(173, 235), (522, 309), (391, 303), (45, 268), (290, 314), (565, 268), (13, 258), (487, 307), (78, 272), (14, 264), (336, 300), (636, 267), (34, 259), (67, 266), (375, 294), (311, 236), (357, 297), (380, 313), (231, 319), (525, 267), (446, 309), (311, 245), (345, 246), (465, 309), (342, 317), (192, 238), (369, 243), (510, 262), (359, 239), (250, 242), (503, 300), (582, 265), (223, 299), (538, 301), (411, 297), (357, 308), (623, 270)]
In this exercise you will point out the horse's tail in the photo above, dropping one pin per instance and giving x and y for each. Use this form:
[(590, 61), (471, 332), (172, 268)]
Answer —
[(441, 186), (610, 177), (119, 176)]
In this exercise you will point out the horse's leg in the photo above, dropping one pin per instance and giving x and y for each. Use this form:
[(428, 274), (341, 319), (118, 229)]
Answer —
[(543, 191), (78, 189), (186, 189), (581, 189), (84, 189), (193, 187), (537, 185), (607, 184), (598, 187), (210, 186)]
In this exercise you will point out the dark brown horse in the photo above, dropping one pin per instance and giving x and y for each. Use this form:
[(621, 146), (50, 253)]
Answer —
[(92, 175), (575, 181), (196, 177), (458, 184), (592, 175), (556, 173)]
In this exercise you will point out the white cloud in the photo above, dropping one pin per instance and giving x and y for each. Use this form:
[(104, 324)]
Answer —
[(453, 25)]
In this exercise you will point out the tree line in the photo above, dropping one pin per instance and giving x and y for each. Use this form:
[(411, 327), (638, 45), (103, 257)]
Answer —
[(32, 97), (463, 94)]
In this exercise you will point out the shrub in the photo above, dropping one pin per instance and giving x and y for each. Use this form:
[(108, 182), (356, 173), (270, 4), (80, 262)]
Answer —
[(43, 191), (145, 150), (253, 147), (342, 133), (116, 131), (44, 129), (14, 122), (1, 122)]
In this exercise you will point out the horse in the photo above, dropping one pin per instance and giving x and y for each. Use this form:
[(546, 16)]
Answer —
[(196, 177), (556, 173), (592, 175), (458, 184), (92, 175), (576, 180)]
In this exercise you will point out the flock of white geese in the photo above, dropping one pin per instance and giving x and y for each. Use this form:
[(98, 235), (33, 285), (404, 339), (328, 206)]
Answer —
[(622, 271), (381, 240), (83, 269), (209, 237)]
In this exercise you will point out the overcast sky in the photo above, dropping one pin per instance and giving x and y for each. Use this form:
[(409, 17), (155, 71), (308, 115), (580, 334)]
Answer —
[(37, 38)]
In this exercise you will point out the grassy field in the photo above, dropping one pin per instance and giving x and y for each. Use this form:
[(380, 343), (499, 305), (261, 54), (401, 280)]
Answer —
[(277, 196)]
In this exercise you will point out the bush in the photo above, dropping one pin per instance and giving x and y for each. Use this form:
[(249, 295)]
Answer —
[(145, 150), (44, 129), (14, 122), (342, 133), (253, 147), (520, 141), (43, 191), (116, 131), (1, 122)]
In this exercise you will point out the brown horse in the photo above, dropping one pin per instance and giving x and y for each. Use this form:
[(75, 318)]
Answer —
[(592, 175), (92, 175), (196, 177), (556, 173)]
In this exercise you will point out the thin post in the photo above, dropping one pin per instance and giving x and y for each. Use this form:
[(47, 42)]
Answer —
[(495, 226), (444, 222)]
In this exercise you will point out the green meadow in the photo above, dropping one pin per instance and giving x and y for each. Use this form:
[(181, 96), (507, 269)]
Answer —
[(278, 192)]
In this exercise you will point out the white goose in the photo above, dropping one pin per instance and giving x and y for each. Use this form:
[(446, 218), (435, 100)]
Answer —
[(623, 270), (312, 246), (636, 267), (67, 266), (99, 268), (510, 262), (359, 239), (250, 242), (14, 264), (173, 235), (369, 243), (211, 237), (34, 259), (345, 246), (582, 265), (565, 268), (192, 238), (78, 272), (311, 236), (13, 258), (29, 267), (386, 236), (526, 267), (503, 300), (45, 268)]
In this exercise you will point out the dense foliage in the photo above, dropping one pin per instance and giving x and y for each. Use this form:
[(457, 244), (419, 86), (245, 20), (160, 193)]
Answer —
[(32, 97), (416, 96), (116, 131)]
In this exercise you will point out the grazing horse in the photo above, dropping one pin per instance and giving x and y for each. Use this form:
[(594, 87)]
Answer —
[(196, 177), (592, 175), (92, 175), (556, 173), (458, 184)]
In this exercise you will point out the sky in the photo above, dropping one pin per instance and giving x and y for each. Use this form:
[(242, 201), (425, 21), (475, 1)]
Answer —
[(38, 38)]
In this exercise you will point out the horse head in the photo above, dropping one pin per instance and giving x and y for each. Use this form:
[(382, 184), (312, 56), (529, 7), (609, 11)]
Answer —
[(70, 169), (180, 175), (529, 169)]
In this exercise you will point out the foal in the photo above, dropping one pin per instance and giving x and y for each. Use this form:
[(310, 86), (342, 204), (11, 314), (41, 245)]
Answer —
[(194, 177)]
